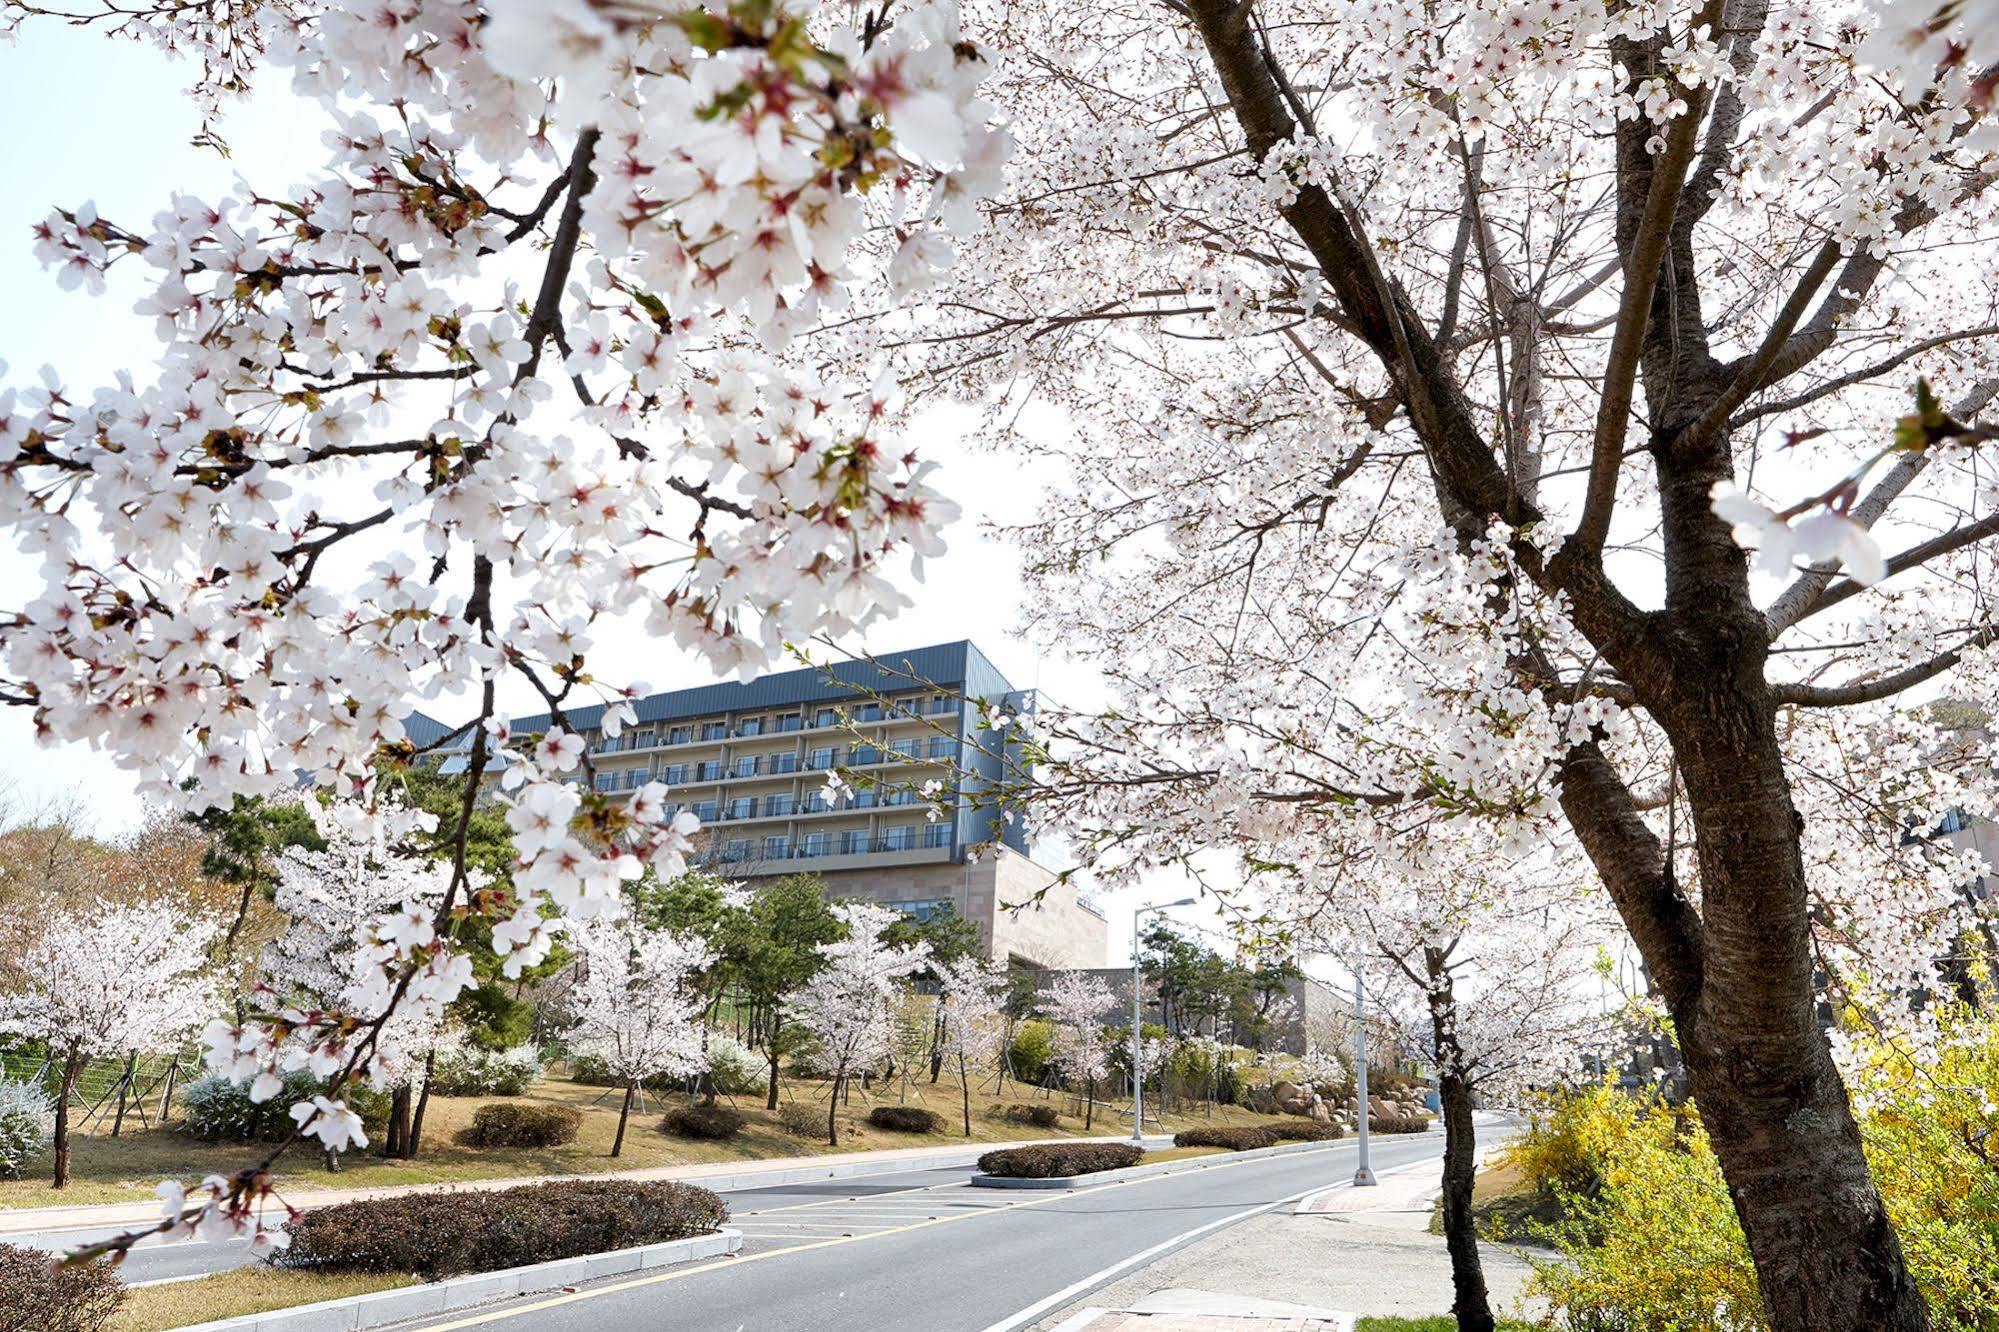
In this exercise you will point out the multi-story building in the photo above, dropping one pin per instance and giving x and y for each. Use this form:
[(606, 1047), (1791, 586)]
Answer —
[(915, 822)]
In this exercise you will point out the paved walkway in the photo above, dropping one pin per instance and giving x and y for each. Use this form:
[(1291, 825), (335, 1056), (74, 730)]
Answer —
[(1337, 1255), (20, 1220)]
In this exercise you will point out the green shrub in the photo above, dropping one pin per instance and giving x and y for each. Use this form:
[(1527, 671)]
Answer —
[(715, 1123), (592, 1070), (1397, 1124), (1041, 1116), (523, 1124), (437, 1235), (1233, 1139), (802, 1119), (37, 1296), (1306, 1130), (1032, 1047), (905, 1119), (27, 1126), (218, 1109), (1059, 1160), (471, 1071)]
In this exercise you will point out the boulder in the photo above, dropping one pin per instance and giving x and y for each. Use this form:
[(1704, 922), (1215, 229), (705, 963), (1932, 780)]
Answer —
[(1319, 1113), (1282, 1091)]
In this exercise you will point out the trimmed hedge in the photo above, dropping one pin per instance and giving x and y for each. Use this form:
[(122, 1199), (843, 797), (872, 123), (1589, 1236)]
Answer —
[(713, 1122), (37, 1296), (1059, 1160), (1306, 1130), (1397, 1124), (434, 1235), (905, 1119), (1232, 1139), (523, 1124), (1041, 1116)]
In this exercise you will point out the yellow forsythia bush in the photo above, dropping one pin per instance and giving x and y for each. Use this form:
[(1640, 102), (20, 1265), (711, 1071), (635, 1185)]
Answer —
[(1651, 1241)]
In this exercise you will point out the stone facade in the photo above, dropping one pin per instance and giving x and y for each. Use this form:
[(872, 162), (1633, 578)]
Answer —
[(1058, 932)]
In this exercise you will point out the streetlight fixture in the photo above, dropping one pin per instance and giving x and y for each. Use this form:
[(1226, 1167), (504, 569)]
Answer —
[(1137, 1069), (1362, 1176)]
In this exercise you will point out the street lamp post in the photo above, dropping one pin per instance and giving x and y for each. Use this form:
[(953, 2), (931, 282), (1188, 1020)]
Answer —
[(1137, 1069), (1362, 1176)]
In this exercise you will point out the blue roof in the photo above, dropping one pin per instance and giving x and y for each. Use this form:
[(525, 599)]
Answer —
[(958, 666)]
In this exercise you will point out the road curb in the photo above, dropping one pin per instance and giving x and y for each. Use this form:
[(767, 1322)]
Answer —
[(393, 1306), (1145, 1171)]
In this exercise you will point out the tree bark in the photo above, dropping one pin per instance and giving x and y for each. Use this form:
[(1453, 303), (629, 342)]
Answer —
[(833, 1112), (422, 1104), (770, 1095), (965, 1086), (624, 1114), (1470, 1302), (72, 1066)]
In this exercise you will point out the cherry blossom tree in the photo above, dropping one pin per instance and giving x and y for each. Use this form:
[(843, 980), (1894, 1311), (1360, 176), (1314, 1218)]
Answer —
[(1075, 1006), (343, 901), (972, 1015), (101, 978), (848, 1008), (636, 1004), (511, 362), (1485, 969), (1417, 369)]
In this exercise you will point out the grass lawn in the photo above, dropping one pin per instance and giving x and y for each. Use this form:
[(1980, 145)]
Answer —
[(1436, 1323), (1508, 1210), (245, 1290), (128, 1168)]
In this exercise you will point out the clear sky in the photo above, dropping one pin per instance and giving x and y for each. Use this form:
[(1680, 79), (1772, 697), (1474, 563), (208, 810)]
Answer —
[(110, 122)]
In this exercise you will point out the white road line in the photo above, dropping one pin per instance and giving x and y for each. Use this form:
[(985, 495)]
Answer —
[(1098, 1278)]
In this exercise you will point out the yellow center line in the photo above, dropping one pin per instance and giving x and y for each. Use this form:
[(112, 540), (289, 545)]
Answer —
[(678, 1273)]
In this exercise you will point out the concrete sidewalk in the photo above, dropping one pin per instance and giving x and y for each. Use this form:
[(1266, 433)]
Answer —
[(717, 1175), (1339, 1254)]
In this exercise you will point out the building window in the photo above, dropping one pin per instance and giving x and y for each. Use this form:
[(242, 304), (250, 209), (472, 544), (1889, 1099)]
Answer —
[(826, 717), (814, 803), (899, 795), (605, 781), (900, 839), (746, 767), (703, 810), (869, 712), (943, 748), (784, 763), (921, 909), (862, 800), (815, 844), (777, 848), (642, 740), (675, 773), (853, 843), (907, 748), (739, 850), (750, 726), (943, 703), (714, 731), (777, 804), (636, 778), (789, 722), (864, 755), (742, 809), (820, 758), (708, 772), (936, 835), (679, 735)]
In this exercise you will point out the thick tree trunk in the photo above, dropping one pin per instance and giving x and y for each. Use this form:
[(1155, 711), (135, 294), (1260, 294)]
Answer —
[(624, 1114), (1827, 1256), (72, 1066), (422, 1104), (395, 1140), (833, 1112)]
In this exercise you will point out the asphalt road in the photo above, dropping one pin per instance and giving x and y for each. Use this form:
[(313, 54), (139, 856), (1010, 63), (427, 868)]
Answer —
[(166, 1262), (945, 1257)]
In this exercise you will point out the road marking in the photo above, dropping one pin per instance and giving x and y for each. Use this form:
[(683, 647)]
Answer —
[(1098, 1278), (680, 1273)]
